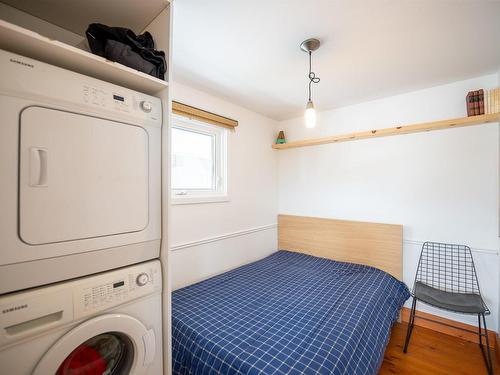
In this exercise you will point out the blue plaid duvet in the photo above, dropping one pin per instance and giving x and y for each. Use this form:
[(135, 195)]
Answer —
[(289, 313)]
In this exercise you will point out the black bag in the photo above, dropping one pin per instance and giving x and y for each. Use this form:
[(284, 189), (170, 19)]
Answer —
[(123, 46)]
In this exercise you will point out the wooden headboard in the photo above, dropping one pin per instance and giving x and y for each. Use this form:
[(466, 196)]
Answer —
[(372, 244)]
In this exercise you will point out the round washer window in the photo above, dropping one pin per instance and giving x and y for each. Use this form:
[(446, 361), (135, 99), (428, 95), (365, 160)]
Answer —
[(106, 354)]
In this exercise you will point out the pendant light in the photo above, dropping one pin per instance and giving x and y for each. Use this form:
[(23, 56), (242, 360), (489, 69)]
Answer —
[(309, 46)]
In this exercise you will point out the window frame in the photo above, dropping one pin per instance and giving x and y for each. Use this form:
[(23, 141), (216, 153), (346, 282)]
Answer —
[(220, 192)]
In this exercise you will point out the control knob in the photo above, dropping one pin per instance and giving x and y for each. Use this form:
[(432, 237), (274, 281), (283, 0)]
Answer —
[(142, 279), (146, 106)]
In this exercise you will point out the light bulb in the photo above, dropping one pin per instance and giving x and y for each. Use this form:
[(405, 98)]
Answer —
[(310, 115)]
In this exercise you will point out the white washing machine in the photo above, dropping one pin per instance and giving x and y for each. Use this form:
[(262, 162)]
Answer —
[(104, 324), (80, 174)]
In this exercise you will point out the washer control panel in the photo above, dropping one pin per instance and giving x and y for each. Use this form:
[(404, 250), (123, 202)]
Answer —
[(73, 300), (116, 288)]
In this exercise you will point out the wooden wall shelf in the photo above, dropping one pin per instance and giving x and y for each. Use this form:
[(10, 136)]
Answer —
[(27, 43), (407, 129)]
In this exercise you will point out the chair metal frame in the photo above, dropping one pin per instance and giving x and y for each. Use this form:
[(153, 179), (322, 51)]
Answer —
[(450, 268)]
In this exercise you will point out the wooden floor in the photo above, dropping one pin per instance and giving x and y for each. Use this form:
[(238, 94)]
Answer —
[(433, 353)]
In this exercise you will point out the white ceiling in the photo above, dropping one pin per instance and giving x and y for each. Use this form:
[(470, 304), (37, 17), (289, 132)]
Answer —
[(248, 51), (75, 15)]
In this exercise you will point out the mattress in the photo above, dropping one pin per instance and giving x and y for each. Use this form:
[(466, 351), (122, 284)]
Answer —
[(289, 313)]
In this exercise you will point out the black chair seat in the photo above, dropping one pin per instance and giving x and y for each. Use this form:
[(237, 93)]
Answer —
[(468, 303)]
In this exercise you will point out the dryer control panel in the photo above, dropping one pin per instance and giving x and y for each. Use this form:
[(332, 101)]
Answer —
[(75, 92), (122, 101)]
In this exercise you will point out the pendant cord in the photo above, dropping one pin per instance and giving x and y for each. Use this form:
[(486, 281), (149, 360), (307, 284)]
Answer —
[(312, 75)]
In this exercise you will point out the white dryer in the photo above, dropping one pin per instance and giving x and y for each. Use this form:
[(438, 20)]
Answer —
[(103, 324), (80, 174)]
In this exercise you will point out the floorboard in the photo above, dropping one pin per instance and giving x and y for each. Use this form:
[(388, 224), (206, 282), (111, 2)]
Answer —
[(431, 352)]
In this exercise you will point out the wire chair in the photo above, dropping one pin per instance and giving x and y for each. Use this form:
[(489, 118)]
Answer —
[(446, 278)]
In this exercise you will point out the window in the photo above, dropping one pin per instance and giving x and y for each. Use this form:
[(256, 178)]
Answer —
[(198, 161)]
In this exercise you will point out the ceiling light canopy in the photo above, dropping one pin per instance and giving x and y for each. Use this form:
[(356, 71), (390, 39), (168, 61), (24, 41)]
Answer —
[(309, 46)]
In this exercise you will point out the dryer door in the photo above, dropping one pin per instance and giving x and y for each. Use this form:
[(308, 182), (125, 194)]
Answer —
[(80, 177), (108, 344)]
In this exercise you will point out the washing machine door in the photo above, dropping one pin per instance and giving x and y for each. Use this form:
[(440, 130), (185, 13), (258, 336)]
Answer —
[(108, 344)]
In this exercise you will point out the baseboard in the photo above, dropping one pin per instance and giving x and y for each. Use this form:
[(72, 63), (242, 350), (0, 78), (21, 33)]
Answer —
[(450, 327)]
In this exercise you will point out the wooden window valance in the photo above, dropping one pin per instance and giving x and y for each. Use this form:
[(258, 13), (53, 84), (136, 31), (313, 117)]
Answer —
[(201, 115)]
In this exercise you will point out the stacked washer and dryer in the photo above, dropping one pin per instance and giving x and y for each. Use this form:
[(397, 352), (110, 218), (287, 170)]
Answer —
[(80, 177)]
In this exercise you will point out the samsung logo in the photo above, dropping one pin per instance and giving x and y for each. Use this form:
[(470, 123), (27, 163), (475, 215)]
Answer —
[(15, 308), (22, 63)]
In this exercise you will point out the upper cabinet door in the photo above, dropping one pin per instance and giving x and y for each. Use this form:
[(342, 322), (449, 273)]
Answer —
[(80, 177)]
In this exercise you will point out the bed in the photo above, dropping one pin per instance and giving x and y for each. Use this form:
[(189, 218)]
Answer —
[(296, 311)]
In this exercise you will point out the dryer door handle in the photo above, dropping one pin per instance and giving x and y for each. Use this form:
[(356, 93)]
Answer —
[(38, 167), (149, 346)]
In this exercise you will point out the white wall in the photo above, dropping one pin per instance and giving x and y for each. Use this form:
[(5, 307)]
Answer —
[(441, 186), (210, 238)]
